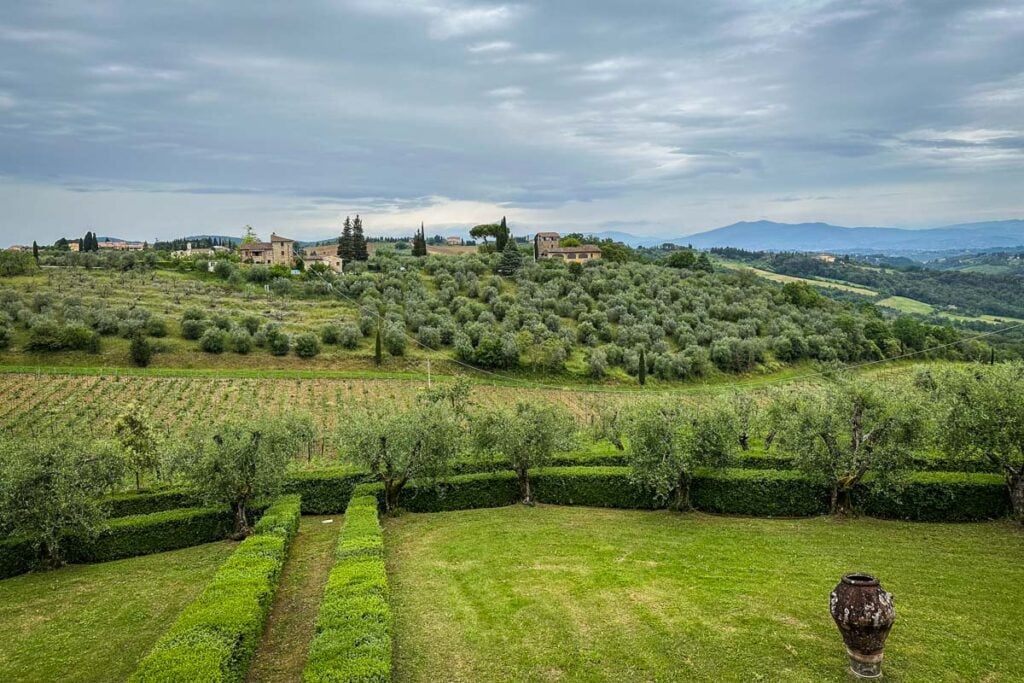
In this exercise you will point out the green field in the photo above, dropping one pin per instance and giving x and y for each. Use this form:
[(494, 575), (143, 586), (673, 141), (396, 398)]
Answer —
[(580, 594), (905, 305), (778, 277), (96, 622)]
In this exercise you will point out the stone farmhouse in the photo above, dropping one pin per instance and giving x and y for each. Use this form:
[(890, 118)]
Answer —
[(545, 245), (326, 254), (121, 246), (453, 241), (279, 251)]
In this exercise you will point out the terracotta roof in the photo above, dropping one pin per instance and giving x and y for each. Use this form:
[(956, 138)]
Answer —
[(257, 246), (278, 238), (547, 234)]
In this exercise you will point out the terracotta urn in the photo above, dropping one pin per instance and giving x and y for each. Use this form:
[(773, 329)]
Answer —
[(864, 613)]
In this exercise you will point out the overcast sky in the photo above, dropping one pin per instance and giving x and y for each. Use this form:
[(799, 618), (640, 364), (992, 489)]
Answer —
[(144, 119)]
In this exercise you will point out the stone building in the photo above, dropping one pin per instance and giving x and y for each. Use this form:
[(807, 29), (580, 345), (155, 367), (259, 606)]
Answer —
[(279, 251), (546, 245)]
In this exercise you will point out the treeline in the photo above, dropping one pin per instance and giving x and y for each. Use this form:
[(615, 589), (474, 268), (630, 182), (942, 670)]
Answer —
[(968, 293)]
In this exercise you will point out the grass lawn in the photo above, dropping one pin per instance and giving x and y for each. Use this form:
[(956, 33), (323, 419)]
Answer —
[(96, 622), (282, 654), (582, 594)]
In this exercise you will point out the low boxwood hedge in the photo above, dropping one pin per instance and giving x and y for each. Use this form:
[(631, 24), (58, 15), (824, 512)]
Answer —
[(153, 533), (126, 504), (17, 556), (325, 491), (214, 638), (940, 497), (353, 626), (925, 496)]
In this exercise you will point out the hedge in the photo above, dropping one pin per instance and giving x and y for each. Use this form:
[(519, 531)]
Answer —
[(153, 533), (941, 497), (17, 556), (126, 504), (353, 627), (214, 638), (325, 491), (925, 496)]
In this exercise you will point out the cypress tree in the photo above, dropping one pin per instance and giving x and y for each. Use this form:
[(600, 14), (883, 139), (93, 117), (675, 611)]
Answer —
[(419, 243), (378, 356), (641, 374), (35, 251), (359, 251), (345, 250), (502, 237)]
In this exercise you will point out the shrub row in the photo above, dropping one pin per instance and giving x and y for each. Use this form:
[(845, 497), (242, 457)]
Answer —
[(325, 491), (353, 626), (214, 638), (925, 496), (153, 533), (128, 537), (125, 504)]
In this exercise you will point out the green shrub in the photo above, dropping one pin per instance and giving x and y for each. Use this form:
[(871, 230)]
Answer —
[(49, 335), (326, 491), (353, 627), (241, 341), (5, 336), (940, 497), (126, 504), (763, 493), (279, 343), (141, 351), (193, 329), (306, 345), (153, 533), (214, 638), (17, 556), (349, 335), (214, 340)]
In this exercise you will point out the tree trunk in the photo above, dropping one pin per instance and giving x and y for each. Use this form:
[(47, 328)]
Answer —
[(392, 487), (242, 529), (682, 499), (1015, 484), (744, 442), (138, 481), (841, 503), (524, 486)]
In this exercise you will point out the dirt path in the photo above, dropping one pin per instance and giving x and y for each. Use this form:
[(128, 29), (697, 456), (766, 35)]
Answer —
[(282, 653)]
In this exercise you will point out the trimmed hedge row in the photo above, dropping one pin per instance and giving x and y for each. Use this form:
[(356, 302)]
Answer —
[(353, 626), (215, 637), (154, 533), (925, 496), (127, 504), (326, 491)]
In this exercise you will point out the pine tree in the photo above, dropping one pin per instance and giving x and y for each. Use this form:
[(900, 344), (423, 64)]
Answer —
[(641, 374), (511, 259), (502, 237), (359, 252), (345, 250)]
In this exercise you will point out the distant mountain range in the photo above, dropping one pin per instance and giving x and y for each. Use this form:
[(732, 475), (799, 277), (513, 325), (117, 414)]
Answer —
[(772, 236)]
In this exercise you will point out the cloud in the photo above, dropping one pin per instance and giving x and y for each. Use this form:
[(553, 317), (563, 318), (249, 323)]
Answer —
[(680, 116)]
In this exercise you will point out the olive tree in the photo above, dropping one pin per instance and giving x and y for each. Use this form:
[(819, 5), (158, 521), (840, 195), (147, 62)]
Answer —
[(526, 437), (138, 441), (395, 447), (238, 462), (846, 430), (51, 490), (667, 443), (983, 417)]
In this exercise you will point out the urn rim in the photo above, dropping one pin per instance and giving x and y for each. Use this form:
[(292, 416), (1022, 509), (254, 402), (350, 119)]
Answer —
[(860, 579)]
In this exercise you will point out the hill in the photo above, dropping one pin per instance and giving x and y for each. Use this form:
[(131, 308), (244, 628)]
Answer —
[(772, 236)]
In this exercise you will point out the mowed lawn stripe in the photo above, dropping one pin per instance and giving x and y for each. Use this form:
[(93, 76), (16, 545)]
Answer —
[(95, 622), (282, 654), (584, 594)]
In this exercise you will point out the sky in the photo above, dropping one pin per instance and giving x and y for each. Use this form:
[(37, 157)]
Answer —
[(145, 120)]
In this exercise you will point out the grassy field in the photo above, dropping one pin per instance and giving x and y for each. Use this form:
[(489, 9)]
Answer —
[(906, 305), (578, 594), (778, 277), (96, 622), (282, 654)]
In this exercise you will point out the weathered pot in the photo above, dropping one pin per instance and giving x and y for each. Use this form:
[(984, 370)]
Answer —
[(864, 613)]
